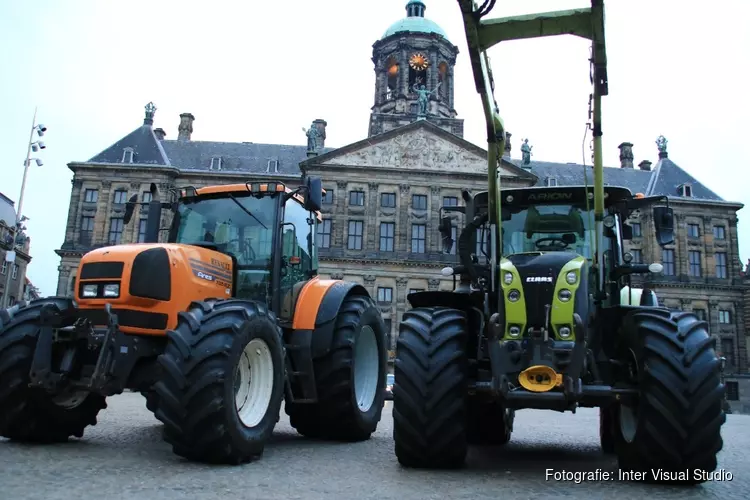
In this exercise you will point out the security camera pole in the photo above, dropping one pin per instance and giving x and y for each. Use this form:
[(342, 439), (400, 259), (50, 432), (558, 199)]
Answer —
[(10, 255)]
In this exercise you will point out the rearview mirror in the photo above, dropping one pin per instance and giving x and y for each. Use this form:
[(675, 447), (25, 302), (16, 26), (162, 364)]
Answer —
[(313, 194), (664, 225), (446, 230), (129, 208)]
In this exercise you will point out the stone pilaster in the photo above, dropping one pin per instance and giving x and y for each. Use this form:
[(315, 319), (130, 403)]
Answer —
[(371, 219), (339, 228), (434, 242), (403, 228)]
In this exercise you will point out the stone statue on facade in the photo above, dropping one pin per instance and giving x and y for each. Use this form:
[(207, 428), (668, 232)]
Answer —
[(423, 98), (661, 143), (312, 137), (526, 151)]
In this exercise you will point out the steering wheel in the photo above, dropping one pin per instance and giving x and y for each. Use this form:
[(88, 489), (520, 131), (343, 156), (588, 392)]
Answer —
[(553, 244), (246, 250)]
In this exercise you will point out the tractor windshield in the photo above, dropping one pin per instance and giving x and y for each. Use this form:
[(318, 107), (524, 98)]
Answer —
[(549, 228), (241, 225)]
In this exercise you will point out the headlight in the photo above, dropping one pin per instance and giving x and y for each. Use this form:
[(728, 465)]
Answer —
[(508, 278), (514, 295), (514, 332), (609, 221), (564, 332), (571, 278), (89, 291), (112, 290), (564, 295)]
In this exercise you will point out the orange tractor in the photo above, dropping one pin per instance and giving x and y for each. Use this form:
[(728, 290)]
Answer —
[(217, 327)]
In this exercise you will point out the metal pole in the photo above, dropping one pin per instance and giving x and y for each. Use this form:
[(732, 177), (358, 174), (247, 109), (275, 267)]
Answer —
[(14, 230)]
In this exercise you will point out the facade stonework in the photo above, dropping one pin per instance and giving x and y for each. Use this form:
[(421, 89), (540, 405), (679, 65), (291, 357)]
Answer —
[(384, 193)]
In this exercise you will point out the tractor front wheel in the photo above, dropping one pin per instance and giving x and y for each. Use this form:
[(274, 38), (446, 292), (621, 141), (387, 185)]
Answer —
[(606, 430), (222, 381), (430, 389), (489, 423), (675, 424), (350, 378), (33, 414)]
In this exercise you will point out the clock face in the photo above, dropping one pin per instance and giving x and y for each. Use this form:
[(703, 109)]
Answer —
[(418, 62)]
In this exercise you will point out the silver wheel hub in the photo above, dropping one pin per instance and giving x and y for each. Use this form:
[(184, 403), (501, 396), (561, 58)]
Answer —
[(366, 368)]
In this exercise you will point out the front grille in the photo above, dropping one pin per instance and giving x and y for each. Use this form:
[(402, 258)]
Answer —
[(127, 317), (101, 270)]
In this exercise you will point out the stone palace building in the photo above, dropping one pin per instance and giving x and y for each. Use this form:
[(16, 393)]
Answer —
[(380, 223)]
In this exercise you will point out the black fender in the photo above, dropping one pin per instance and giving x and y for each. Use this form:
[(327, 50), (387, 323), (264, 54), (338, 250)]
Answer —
[(325, 321)]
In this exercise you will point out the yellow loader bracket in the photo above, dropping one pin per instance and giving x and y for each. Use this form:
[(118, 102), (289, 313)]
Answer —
[(540, 378), (481, 35)]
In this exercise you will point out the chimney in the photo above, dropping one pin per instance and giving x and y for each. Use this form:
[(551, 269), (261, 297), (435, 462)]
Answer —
[(626, 155), (321, 125), (160, 134), (506, 153), (645, 165), (186, 127)]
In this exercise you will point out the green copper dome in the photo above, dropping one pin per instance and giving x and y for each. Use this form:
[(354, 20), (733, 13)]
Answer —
[(414, 22)]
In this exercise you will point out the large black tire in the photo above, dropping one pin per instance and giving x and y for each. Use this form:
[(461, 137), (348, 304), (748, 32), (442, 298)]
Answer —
[(338, 415), (678, 417), (606, 430), (196, 394), (32, 414), (488, 423), (430, 390)]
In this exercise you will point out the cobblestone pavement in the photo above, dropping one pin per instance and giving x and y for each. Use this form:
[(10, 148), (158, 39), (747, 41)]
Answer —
[(123, 457)]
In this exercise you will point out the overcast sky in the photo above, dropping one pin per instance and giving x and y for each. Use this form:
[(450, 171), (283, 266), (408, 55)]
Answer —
[(259, 71)]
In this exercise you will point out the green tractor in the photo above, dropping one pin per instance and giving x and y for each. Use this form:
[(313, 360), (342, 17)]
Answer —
[(543, 314)]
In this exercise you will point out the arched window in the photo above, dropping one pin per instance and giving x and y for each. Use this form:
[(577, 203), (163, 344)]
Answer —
[(392, 70), (443, 79)]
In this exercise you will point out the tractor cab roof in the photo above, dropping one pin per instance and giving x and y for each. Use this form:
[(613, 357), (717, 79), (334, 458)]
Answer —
[(189, 192), (575, 195)]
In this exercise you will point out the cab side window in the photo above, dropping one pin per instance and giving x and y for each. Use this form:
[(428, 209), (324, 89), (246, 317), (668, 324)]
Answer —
[(297, 238)]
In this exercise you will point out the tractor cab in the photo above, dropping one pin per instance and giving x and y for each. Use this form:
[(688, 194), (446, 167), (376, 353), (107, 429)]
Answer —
[(266, 228)]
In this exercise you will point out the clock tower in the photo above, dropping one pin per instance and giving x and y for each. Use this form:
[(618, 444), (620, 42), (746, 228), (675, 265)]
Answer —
[(414, 62)]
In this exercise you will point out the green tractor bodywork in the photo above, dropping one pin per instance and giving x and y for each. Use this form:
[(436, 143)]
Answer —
[(543, 313)]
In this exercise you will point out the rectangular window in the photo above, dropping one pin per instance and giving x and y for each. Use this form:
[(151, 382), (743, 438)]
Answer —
[(324, 234), (385, 294), (636, 229), (87, 230), (721, 265), (146, 197), (719, 233), (667, 260), (454, 237), (725, 318), (388, 200), (142, 230), (116, 225), (701, 313), (450, 201), (354, 238), (419, 202), (733, 391), (416, 290), (4, 268), (328, 197), (14, 274), (91, 196), (418, 238), (727, 350), (120, 197), (694, 231), (357, 198), (694, 258), (637, 256), (387, 232), (481, 248), (388, 329)]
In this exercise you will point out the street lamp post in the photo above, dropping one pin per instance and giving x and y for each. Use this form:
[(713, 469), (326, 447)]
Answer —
[(10, 255)]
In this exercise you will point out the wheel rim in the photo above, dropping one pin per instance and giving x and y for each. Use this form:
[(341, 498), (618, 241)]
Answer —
[(69, 399), (366, 368), (253, 382), (628, 415)]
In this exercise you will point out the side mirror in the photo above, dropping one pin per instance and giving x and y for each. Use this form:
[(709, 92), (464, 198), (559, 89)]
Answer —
[(129, 208), (664, 225), (445, 229), (313, 194)]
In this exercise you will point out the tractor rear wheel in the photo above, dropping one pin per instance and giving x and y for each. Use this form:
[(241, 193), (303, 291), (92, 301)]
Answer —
[(430, 389), (350, 378), (675, 425), (33, 414), (489, 423), (222, 381)]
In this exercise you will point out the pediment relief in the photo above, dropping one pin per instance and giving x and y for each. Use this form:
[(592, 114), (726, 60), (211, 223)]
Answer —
[(416, 150)]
